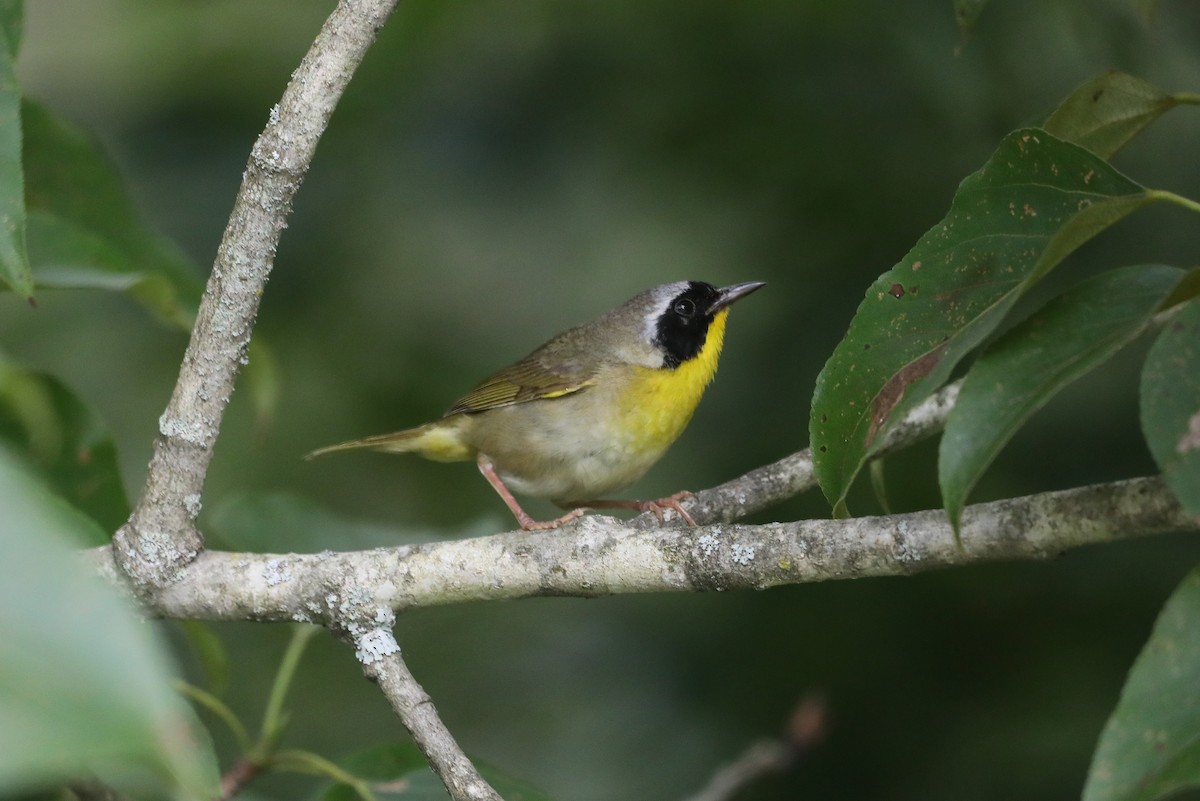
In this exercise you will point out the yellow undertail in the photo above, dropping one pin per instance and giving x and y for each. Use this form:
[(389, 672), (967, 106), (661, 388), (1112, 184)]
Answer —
[(439, 441)]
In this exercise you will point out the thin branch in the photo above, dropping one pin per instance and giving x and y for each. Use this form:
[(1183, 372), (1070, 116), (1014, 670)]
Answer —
[(602, 556), (761, 759), (766, 757), (234, 780), (160, 535), (768, 485), (379, 654)]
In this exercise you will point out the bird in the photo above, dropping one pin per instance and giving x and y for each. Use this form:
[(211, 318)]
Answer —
[(590, 411)]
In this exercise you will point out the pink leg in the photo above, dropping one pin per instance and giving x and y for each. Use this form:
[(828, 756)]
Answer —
[(670, 502), (523, 519)]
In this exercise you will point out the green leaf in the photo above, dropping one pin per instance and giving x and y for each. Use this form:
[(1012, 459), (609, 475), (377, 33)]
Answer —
[(1150, 747), (1170, 400), (12, 23), (398, 771), (1187, 288), (85, 231), (14, 264), (1034, 202), (66, 255), (1106, 112), (84, 683), (66, 441), (1020, 372)]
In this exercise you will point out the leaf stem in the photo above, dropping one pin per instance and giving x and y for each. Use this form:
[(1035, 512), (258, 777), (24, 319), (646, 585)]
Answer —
[(316, 765), (272, 722), (1171, 197), (218, 707)]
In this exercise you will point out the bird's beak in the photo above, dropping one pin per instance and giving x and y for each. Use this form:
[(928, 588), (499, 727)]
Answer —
[(727, 295)]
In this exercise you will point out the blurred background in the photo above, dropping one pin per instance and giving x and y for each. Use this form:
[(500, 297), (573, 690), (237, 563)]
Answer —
[(498, 172)]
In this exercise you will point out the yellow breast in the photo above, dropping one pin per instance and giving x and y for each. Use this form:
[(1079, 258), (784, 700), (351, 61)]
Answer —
[(658, 403)]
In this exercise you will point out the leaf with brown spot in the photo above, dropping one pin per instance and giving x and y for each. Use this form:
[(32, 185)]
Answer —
[(1033, 203), (893, 391)]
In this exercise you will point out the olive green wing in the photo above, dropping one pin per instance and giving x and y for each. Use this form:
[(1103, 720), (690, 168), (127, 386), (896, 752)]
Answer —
[(527, 380)]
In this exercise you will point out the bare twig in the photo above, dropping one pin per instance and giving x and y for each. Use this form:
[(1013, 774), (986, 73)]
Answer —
[(768, 485), (602, 556), (381, 660), (237, 777), (765, 757), (804, 729), (761, 759), (161, 536)]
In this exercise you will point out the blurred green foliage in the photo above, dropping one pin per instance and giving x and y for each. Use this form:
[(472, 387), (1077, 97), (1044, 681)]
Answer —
[(497, 172), (56, 719)]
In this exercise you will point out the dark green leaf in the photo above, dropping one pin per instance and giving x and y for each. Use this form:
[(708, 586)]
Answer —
[(1035, 201), (12, 23), (68, 256), (1150, 747), (14, 265), (1105, 113), (66, 441), (1187, 288), (84, 684), (84, 227), (85, 233), (399, 772), (1020, 372), (1170, 399)]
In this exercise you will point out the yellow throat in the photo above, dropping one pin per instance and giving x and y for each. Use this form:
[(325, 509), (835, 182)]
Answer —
[(660, 402)]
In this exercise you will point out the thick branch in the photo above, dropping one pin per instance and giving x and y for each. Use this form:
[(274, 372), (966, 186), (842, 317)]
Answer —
[(601, 556), (160, 535)]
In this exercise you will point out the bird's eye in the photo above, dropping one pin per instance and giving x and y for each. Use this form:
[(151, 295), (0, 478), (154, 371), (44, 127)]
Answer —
[(684, 307)]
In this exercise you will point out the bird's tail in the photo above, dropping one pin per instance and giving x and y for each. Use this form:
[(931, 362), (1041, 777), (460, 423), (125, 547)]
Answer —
[(439, 441)]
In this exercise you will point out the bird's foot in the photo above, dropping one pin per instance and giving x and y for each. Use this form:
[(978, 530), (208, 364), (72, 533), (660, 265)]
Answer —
[(527, 523), (658, 507), (670, 502)]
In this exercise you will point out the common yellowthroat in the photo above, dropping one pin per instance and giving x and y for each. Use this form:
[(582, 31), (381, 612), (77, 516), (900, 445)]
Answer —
[(590, 411)]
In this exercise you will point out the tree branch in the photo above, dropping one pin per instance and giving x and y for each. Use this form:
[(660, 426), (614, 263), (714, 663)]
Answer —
[(768, 756), (768, 485), (597, 556), (161, 536), (379, 654)]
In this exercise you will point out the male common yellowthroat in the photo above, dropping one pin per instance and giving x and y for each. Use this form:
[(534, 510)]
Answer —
[(590, 411)]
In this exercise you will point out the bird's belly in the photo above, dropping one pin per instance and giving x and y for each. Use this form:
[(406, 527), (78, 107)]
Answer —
[(563, 449), (587, 473)]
